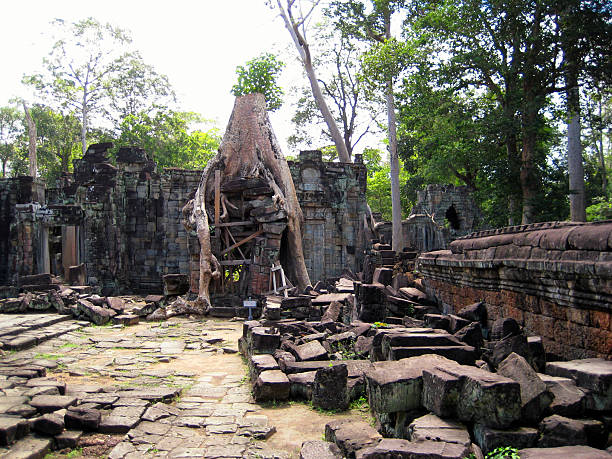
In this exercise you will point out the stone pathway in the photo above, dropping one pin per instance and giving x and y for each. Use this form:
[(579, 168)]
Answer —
[(170, 389), (22, 331)]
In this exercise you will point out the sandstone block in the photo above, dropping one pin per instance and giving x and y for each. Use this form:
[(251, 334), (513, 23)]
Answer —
[(271, 385), (535, 396)]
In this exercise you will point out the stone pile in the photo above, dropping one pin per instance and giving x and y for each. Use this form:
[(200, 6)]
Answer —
[(433, 384), (80, 303)]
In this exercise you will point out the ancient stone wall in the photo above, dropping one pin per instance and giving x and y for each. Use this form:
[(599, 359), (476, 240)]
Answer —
[(14, 192), (332, 197), (127, 221), (555, 279)]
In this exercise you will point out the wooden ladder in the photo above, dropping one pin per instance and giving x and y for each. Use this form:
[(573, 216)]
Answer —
[(277, 268)]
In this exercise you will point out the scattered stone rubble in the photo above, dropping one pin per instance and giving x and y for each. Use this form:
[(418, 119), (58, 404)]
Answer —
[(437, 385)]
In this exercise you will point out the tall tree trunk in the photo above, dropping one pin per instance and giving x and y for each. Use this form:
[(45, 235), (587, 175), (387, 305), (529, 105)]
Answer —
[(396, 205), (304, 51), (574, 158), (528, 176), (84, 123), (31, 141), (574, 144), (600, 152)]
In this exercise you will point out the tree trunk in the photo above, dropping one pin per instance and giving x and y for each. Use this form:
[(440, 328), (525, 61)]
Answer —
[(575, 166), (574, 144), (84, 123), (249, 150), (528, 175), (600, 151), (31, 141), (396, 205), (304, 52)]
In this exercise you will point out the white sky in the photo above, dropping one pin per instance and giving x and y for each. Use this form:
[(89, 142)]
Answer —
[(197, 44)]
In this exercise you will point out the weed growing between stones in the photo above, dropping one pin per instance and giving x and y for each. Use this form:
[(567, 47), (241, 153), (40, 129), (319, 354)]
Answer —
[(503, 452), (47, 356)]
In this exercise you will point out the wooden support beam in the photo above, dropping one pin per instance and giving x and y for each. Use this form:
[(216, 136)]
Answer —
[(242, 241), (234, 262), (231, 236)]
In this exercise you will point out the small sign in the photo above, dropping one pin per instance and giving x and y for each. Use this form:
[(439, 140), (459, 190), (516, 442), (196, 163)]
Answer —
[(250, 304)]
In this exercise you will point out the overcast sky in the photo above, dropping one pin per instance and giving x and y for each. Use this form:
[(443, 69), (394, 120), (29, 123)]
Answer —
[(197, 44)]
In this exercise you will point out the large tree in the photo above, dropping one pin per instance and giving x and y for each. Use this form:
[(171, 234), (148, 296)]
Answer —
[(173, 139), (295, 18), (57, 140), (82, 63), (136, 87), (354, 109), (512, 49), (371, 21)]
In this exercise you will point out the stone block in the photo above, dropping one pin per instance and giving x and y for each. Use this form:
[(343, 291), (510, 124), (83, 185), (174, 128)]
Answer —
[(569, 400), (271, 385), (592, 374), (312, 350), (535, 396), (261, 362), (12, 429), (397, 448), (395, 386), (558, 430), (489, 438), (351, 436), (302, 385), (50, 403), (432, 428), (482, 396), (86, 419), (575, 452), (318, 449), (330, 388), (48, 424), (262, 340), (29, 448)]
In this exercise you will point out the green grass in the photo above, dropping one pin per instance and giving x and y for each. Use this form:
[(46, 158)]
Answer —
[(48, 356), (68, 345)]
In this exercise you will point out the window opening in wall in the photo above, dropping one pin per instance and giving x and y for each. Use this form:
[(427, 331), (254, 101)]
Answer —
[(453, 218)]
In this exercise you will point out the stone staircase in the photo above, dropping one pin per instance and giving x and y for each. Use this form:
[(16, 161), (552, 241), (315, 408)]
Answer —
[(22, 331)]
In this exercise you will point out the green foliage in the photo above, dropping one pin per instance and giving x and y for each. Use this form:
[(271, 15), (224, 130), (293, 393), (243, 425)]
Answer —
[(171, 138), (600, 210), (378, 193), (259, 75), (503, 452), (360, 404), (10, 127), (377, 325)]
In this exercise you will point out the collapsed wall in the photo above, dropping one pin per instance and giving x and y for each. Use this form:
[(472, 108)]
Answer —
[(555, 279)]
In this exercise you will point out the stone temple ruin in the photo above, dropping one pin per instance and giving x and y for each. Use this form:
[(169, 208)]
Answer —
[(499, 338)]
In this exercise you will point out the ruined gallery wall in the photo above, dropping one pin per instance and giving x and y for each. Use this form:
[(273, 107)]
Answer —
[(555, 279), (441, 214), (131, 227), (128, 220), (332, 197), (16, 192)]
